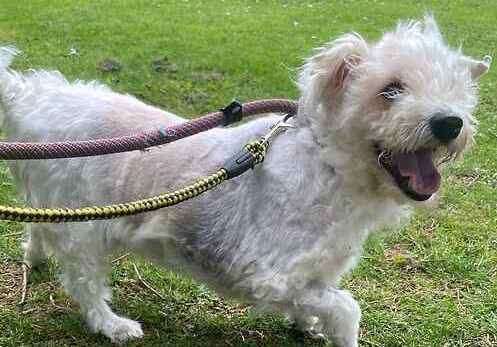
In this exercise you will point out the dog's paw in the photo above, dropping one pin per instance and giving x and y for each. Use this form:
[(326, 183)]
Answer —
[(123, 329)]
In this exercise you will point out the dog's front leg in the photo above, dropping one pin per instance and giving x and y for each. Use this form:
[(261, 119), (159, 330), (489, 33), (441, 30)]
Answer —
[(330, 313)]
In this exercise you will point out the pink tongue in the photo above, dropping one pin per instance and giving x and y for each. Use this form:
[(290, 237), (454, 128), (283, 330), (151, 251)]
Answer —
[(418, 166)]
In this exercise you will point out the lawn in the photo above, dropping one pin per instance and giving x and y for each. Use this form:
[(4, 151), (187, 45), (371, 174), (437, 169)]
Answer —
[(432, 283)]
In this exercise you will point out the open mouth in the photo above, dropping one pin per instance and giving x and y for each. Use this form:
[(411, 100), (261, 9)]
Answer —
[(413, 172)]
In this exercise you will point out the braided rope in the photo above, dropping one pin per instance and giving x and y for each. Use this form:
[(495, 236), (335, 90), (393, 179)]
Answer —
[(140, 141), (60, 215)]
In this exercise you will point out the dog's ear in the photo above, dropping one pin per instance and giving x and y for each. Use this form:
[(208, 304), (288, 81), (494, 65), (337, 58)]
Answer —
[(477, 67), (326, 74)]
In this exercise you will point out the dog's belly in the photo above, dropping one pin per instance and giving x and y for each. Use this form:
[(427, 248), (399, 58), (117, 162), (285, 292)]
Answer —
[(263, 248)]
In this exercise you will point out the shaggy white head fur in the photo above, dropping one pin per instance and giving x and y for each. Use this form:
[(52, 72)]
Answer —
[(375, 123)]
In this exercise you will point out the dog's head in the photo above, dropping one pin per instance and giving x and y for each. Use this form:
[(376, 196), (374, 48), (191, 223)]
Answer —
[(397, 109)]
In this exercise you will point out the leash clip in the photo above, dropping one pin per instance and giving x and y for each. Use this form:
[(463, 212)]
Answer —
[(253, 153), (278, 128)]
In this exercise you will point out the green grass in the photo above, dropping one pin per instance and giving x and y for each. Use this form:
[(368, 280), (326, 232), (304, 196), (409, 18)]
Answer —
[(433, 283)]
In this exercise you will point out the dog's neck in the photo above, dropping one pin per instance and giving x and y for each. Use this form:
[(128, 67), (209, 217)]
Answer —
[(318, 151)]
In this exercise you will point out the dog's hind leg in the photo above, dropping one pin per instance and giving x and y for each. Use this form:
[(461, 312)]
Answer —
[(330, 312), (34, 252), (85, 268)]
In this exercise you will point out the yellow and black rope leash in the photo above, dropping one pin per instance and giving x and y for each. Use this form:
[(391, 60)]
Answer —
[(252, 154), (61, 215)]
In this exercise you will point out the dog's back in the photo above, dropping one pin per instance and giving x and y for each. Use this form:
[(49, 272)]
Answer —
[(42, 106), (91, 110)]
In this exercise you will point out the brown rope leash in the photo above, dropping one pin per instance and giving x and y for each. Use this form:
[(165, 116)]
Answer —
[(146, 139)]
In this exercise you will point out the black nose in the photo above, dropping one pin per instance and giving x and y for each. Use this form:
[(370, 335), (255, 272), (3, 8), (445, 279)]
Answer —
[(445, 128)]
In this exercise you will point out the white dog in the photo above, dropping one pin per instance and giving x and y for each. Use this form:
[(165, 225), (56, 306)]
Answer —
[(375, 122)]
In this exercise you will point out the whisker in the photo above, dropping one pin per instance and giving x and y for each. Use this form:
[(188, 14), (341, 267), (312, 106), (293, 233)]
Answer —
[(384, 157), (449, 156)]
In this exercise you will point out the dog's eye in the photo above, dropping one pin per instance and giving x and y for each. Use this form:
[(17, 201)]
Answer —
[(392, 91)]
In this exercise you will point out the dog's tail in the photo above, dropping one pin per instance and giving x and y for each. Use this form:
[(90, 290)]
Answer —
[(7, 54)]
